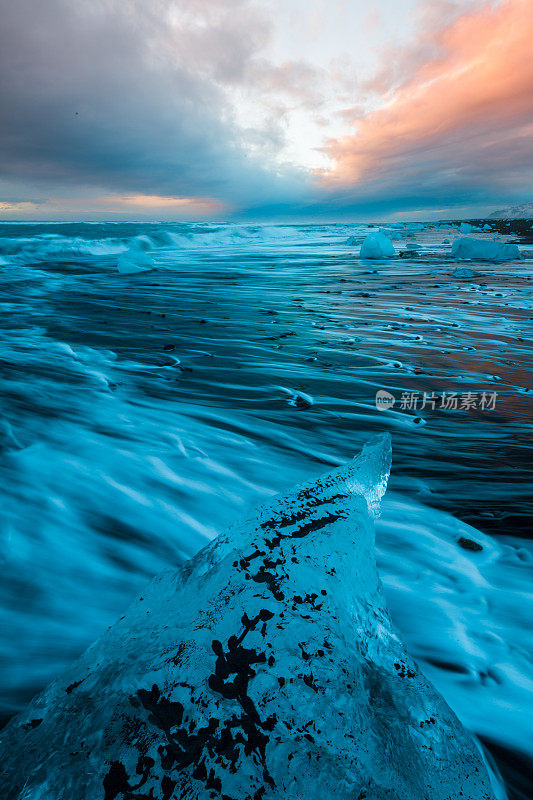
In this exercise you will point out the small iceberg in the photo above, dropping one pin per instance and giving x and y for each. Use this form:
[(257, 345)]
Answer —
[(484, 249), (393, 233), (466, 227), (135, 261), (465, 272), (266, 667), (377, 245)]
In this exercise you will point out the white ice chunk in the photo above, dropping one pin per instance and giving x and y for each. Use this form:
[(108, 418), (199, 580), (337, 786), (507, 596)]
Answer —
[(465, 272), (135, 261), (377, 245), (484, 249), (466, 227), (267, 667), (396, 233)]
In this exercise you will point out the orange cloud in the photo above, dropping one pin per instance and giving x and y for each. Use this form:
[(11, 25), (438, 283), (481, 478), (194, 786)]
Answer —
[(24, 206), (199, 205), (113, 206), (470, 108)]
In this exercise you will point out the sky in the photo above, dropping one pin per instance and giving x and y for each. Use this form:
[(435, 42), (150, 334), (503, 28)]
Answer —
[(274, 110)]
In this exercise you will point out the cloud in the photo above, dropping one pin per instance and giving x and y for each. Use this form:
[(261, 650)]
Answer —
[(15, 209), (193, 108), (116, 206), (298, 81), (401, 62), (127, 96), (459, 125), (198, 204)]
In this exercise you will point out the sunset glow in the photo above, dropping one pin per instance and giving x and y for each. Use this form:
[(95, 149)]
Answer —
[(468, 109), (248, 110)]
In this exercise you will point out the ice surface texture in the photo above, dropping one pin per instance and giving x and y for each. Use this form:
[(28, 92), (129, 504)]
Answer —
[(134, 261), (377, 245), (484, 249), (265, 668), (466, 227)]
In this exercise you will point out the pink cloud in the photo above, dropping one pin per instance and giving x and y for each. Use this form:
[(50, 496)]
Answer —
[(467, 109)]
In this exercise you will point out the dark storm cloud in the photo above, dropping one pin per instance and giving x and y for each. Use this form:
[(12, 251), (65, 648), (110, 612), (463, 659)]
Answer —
[(124, 96)]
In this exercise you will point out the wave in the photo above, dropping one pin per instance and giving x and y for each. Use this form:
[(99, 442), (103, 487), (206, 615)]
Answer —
[(89, 241), (140, 416), (50, 246)]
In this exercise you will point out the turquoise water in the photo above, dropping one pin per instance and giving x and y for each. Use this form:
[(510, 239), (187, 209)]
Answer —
[(142, 413)]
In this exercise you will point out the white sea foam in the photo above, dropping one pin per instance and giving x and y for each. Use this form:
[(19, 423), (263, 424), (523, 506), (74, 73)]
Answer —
[(268, 660), (142, 416)]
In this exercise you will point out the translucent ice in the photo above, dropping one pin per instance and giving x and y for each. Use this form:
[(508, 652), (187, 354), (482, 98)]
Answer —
[(135, 261), (395, 232), (466, 227), (484, 249), (377, 245), (465, 272), (266, 667)]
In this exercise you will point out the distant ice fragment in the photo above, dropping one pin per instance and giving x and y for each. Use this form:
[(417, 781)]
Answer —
[(296, 398), (466, 227), (394, 232), (266, 668), (352, 240), (484, 249), (135, 261), (377, 245), (465, 272)]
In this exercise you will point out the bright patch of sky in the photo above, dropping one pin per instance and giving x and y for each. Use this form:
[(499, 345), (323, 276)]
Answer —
[(342, 45)]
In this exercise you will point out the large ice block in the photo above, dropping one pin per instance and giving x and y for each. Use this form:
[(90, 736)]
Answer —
[(267, 667)]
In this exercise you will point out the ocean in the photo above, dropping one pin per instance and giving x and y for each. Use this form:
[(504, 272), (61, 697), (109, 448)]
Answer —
[(143, 413)]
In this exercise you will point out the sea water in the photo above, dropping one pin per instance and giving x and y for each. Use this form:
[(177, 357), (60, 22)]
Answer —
[(142, 413)]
